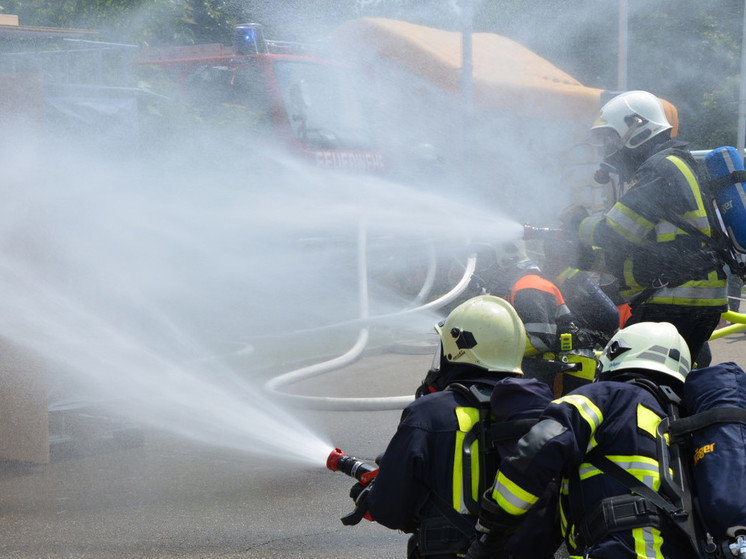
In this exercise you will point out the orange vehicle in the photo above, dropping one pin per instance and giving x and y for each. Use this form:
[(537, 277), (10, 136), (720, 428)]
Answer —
[(307, 101)]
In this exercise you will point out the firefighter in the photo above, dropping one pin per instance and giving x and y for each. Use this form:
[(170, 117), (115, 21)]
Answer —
[(425, 485), (665, 273), (614, 418), (558, 351)]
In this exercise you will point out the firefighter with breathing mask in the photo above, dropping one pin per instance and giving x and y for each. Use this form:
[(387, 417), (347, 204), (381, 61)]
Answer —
[(580, 439), (559, 349), (449, 442), (653, 239)]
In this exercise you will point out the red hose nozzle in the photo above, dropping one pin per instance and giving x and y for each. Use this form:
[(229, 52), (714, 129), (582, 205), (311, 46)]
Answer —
[(334, 457), (338, 461)]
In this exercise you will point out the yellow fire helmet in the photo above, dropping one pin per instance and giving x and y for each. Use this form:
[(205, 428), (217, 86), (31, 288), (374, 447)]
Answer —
[(484, 331)]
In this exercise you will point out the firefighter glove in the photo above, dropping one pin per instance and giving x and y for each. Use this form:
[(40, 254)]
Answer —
[(487, 546), (571, 217), (359, 493), (493, 520)]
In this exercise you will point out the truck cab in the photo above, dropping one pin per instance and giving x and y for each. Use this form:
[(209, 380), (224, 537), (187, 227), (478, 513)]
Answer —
[(278, 89)]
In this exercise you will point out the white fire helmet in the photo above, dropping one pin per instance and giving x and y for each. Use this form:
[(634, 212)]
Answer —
[(647, 346), (512, 254), (629, 120), (484, 331)]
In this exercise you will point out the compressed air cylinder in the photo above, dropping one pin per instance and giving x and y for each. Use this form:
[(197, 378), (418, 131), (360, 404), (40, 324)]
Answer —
[(718, 457), (730, 197)]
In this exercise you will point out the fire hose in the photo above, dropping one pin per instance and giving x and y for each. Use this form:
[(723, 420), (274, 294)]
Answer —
[(362, 404)]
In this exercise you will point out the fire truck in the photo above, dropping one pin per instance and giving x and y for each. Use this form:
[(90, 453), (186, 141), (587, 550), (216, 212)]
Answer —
[(306, 102)]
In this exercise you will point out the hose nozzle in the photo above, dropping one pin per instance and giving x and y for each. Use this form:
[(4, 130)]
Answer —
[(362, 471), (540, 233)]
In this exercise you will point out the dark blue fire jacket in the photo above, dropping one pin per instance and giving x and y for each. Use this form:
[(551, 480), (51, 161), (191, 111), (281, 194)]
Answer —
[(425, 455), (616, 419)]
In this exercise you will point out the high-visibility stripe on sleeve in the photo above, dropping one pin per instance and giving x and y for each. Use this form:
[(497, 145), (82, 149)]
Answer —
[(648, 542), (587, 409), (511, 497), (629, 224), (587, 228)]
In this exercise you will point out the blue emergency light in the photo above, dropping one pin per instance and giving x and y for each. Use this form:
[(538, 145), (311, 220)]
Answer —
[(248, 38)]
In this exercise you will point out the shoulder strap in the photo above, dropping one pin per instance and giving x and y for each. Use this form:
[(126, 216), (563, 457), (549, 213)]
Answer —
[(458, 520), (635, 485), (702, 420), (479, 433), (488, 433)]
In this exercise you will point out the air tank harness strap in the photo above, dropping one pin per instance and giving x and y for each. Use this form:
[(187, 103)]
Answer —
[(450, 532), (722, 414), (644, 507), (731, 178)]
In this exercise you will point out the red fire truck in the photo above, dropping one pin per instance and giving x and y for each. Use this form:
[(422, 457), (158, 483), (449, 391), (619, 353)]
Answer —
[(308, 102)]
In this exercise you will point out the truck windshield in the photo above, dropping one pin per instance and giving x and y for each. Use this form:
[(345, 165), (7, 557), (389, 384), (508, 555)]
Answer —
[(321, 105)]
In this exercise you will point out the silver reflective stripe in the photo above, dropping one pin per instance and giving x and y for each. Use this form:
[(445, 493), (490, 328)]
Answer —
[(656, 354), (668, 228), (647, 537), (540, 328), (638, 467), (511, 497), (691, 292), (632, 227)]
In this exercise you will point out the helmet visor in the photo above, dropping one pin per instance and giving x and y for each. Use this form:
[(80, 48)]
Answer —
[(606, 139)]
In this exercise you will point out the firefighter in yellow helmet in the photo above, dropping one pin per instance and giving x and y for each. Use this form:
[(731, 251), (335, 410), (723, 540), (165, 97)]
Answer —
[(449, 442), (650, 238)]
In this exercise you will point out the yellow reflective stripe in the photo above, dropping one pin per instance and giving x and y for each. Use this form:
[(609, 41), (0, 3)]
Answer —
[(530, 349), (628, 223), (629, 276), (697, 217), (587, 409), (690, 178), (643, 468), (697, 293), (648, 542), (587, 228), (586, 470), (566, 274), (563, 520), (512, 498), (467, 418), (647, 419)]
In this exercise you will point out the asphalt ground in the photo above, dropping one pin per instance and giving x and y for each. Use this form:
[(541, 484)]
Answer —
[(174, 498)]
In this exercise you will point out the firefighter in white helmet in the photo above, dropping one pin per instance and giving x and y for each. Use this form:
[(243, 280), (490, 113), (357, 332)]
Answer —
[(613, 419), (443, 454), (653, 239)]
